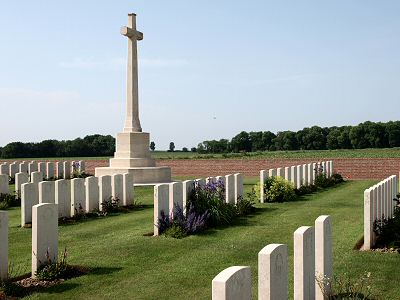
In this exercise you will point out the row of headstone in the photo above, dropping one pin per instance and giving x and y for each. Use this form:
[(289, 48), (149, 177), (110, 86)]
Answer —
[(59, 169), (298, 175), (44, 237), (378, 204), (167, 195), (76, 195), (312, 263)]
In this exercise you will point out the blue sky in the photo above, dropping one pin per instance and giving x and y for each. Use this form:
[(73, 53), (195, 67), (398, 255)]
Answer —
[(207, 70)]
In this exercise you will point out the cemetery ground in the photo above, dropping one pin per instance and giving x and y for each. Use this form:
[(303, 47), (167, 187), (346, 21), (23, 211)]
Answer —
[(126, 263)]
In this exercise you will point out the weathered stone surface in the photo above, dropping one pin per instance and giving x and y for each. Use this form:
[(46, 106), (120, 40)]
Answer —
[(305, 174), (63, 197), (271, 173), (128, 190), (280, 173), (44, 234), (287, 174), (293, 171), (4, 169), (50, 170), (23, 167), (323, 253), (233, 283), (230, 189), (263, 177), (78, 197), (59, 169), (105, 189), (47, 192), (310, 174), (238, 187), (4, 189), (42, 167), (161, 203), (36, 177), (29, 198), (92, 193), (175, 196), (299, 178), (3, 244), (117, 187), (200, 182), (314, 173), (82, 166), (304, 263), (187, 188), (273, 272), (32, 167), (20, 178), (13, 169), (67, 169)]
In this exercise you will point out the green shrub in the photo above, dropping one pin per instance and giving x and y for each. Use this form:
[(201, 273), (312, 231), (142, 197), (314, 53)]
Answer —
[(277, 189), (175, 231), (388, 231), (8, 200), (110, 206)]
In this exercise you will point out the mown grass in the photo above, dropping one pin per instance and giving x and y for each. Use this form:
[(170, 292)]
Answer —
[(128, 265), (300, 154)]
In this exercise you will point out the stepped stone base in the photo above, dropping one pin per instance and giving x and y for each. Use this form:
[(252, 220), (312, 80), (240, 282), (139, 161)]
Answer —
[(145, 175)]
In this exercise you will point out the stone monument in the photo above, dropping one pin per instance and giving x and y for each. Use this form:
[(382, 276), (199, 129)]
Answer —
[(132, 145)]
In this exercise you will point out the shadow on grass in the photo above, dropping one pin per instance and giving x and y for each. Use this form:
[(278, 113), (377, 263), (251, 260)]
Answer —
[(93, 216)]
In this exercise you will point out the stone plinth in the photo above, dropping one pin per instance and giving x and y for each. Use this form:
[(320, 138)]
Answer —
[(132, 156)]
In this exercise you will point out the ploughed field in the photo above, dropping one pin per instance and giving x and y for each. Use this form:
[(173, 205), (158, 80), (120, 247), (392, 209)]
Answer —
[(126, 263)]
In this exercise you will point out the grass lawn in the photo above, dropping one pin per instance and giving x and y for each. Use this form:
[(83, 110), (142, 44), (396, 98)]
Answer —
[(128, 265), (300, 154)]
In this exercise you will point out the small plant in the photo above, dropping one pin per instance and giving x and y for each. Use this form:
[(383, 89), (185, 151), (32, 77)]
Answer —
[(51, 270), (9, 200), (388, 230), (344, 287), (277, 189), (80, 213), (110, 206), (175, 231)]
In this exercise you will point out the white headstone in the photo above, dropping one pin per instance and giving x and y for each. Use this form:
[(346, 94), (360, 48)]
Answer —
[(187, 189), (309, 174), (233, 283), (280, 173), (82, 166), (273, 272), (263, 177), (78, 197), (315, 171), (175, 196), (105, 189), (230, 189), (299, 177), (305, 174), (161, 203), (67, 169), (271, 173), (323, 165), (59, 169), (4, 169), (47, 192), (117, 187), (287, 174), (23, 167), (4, 189), (50, 170), (293, 171), (128, 190), (13, 169), (42, 167), (32, 167), (44, 234), (304, 263), (238, 187), (323, 253), (20, 178), (29, 198), (92, 193), (36, 177), (63, 197), (3, 244), (200, 182)]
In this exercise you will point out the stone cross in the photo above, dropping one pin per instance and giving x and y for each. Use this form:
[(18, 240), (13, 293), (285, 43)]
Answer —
[(132, 122)]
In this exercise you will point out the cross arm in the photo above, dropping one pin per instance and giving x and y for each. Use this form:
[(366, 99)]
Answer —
[(131, 33)]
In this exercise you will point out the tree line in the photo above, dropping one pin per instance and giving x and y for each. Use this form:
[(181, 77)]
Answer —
[(90, 145), (365, 135)]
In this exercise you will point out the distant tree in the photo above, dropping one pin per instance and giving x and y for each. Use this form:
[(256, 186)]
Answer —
[(184, 149), (286, 140), (241, 142), (193, 149), (393, 133), (171, 147), (152, 146)]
